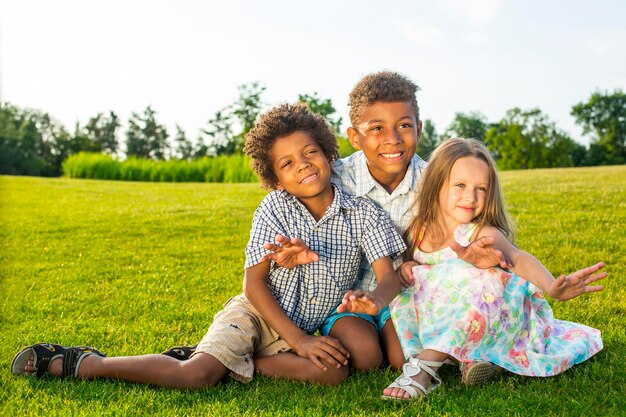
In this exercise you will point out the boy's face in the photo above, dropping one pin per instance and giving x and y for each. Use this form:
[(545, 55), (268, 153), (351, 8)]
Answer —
[(388, 135), (301, 167)]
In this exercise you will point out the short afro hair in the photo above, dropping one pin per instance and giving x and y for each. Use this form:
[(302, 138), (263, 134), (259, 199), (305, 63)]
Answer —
[(383, 86), (282, 121)]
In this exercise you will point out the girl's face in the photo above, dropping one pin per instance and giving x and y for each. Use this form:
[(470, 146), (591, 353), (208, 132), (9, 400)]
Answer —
[(462, 197)]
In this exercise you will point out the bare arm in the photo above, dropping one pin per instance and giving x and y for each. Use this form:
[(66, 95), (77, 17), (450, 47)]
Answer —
[(528, 267), (314, 348)]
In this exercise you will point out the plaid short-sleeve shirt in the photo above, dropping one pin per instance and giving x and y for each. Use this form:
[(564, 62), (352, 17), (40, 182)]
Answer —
[(353, 177), (352, 230)]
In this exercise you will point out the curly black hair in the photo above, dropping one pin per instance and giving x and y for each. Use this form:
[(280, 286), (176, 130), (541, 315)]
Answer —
[(383, 86), (282, 121)]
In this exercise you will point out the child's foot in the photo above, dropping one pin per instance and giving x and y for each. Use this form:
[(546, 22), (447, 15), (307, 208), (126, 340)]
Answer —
[(418, 378), (477, 372), (55, 368), (182, 353), (53, 359)]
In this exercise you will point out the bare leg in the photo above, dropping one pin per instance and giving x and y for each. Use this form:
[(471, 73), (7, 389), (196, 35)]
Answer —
[(200, 371), (392, 347), (288, 365), (423, 378), (362, 341)]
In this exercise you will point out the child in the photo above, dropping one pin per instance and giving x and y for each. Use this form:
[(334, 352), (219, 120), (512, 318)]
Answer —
[(487, 314), (386, 129), (275, 318)]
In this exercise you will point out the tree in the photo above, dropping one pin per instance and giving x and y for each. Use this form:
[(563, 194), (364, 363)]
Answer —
[(324, 108), (222, 140), (184, 148), (243, 112), (145, 138), (247, 107), (20, 142), (472, 125), (527, 139), (102, 132), (429, 140), (604, 115)]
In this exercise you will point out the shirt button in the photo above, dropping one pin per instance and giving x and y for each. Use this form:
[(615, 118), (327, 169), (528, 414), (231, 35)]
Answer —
[(313, 300)]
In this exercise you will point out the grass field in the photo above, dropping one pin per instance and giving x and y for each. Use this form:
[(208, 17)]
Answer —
[(135, 268)]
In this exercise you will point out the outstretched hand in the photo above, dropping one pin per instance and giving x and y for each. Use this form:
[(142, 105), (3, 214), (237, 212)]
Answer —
[(359, 301), (289, 253), (481, 253), (567, 287)]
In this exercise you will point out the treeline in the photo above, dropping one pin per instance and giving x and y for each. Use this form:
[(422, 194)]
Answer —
[(525, 139), (34, 143)]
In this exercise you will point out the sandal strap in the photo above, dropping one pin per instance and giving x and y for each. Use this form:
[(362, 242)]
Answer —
[(44, 354), (412, 368), (425, 366), (73, 356), (407, 384)]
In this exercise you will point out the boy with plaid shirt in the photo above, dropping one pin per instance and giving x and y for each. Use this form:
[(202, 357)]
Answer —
[(270, 326)]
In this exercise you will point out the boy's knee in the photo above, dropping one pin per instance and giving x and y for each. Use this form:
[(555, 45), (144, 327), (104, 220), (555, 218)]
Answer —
[(361, 339), (334, 376), (365, 352), (204, 372), (366, 357), (396, 362)]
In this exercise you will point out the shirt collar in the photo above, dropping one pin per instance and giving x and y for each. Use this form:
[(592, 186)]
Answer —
[(365, 181), (340, 201)]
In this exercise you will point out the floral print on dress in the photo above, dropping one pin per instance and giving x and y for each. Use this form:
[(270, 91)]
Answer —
[(486, 314)]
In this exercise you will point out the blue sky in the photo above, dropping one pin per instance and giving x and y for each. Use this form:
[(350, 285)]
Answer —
[(74, 59)]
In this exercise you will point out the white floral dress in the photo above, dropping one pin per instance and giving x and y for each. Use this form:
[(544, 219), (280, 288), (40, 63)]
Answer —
[(486, 314)]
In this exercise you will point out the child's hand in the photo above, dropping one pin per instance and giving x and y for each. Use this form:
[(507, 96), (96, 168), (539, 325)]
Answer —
[(481, 253), (322, 348), (289, 253), (405, 272), (359, 302), (567, 287)]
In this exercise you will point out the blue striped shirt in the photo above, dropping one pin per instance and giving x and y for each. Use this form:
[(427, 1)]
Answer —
[(353, 177)]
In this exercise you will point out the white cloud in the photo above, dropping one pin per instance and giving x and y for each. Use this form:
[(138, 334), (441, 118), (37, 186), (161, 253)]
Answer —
[(421, 34), (477, 12)]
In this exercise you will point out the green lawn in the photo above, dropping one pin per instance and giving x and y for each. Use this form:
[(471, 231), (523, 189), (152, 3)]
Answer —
[(135, 268)]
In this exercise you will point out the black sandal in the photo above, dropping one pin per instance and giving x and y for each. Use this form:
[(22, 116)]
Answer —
[(182, 353), (45, 353)]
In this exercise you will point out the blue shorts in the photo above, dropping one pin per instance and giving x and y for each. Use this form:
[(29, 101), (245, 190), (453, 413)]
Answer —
[(378, 321)]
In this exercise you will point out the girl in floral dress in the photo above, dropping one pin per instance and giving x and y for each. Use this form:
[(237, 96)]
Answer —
[(455, 311)]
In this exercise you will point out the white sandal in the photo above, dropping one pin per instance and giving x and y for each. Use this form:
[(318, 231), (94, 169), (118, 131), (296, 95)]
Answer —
[(405, 381)]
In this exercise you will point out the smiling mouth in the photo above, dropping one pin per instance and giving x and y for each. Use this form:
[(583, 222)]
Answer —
[(308, 178), (391, 155)]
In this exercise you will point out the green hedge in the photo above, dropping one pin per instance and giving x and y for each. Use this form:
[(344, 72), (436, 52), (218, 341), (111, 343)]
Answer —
[(234, 168)]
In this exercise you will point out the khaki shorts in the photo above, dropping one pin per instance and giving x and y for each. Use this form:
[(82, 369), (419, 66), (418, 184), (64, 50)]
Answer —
[(239, 333)]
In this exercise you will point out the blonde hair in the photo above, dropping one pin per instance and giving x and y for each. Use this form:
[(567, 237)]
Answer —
[(433, 179)]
